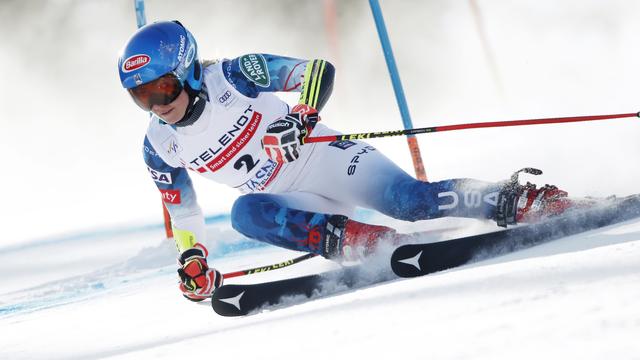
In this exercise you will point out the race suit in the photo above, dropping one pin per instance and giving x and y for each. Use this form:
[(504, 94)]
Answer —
[(287, 204)]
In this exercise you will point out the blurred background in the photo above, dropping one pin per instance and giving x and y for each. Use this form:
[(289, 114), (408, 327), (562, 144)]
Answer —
[(71, 136)]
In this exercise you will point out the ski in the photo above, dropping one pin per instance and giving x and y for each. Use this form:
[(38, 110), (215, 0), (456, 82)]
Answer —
[(238, 300), (421, 259), (418, 259)]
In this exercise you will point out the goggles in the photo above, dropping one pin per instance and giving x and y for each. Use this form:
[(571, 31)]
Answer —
[(161, 91)]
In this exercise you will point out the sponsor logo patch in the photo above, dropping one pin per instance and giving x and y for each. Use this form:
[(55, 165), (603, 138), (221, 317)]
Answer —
[(227, 98), (135, 62), (342, 144), (171, 146), (280, 124), (262, 178), (230, 143), (171, 196), (254, 68), (160, 177), (353, 164)]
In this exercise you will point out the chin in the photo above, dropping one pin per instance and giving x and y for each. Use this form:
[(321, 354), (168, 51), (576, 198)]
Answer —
[(170, 119)]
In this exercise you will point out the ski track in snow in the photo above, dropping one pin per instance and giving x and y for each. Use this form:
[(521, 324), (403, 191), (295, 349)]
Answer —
[(575, 297)]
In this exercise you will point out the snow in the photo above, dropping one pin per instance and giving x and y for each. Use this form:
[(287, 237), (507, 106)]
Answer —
[(572, 298), (85, 271)]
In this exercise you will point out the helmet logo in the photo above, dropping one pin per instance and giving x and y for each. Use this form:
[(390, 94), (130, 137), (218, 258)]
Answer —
[(135, 62), (190, 55), (138, 79), (183, 40)]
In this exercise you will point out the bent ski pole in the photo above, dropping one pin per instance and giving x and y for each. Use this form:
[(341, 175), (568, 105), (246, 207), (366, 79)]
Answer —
[(268, 267), (492, 124)]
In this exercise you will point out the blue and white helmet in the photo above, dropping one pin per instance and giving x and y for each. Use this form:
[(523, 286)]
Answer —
[(157, 49)]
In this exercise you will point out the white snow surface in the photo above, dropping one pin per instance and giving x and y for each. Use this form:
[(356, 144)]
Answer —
[(573, 298)]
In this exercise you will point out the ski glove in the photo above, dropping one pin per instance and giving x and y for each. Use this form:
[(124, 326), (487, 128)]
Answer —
[(197, 280), (285, 136)]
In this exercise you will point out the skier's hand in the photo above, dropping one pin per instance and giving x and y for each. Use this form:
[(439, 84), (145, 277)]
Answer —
[(285, 136), (197, 280)]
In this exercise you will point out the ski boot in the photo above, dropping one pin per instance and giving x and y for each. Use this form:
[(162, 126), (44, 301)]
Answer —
[(526, 203), (351, 240)]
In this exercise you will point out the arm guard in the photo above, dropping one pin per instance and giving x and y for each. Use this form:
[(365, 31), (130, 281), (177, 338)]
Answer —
[(317, 84)]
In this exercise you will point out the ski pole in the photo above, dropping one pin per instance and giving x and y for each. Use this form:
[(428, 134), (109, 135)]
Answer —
[(414, 149), (268, 267), (141, 18), (369, 135)]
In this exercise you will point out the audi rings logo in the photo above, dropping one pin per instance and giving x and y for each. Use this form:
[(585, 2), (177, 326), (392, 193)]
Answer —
[(224, 97), (135, 62)]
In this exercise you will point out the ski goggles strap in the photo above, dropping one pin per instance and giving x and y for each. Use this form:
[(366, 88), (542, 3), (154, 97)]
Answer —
[(161, 91)]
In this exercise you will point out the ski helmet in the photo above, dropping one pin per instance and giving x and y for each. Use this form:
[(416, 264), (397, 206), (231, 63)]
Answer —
[(158, 61)]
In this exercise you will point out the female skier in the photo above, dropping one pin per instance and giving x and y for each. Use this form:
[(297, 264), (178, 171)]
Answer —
[(221, 119)]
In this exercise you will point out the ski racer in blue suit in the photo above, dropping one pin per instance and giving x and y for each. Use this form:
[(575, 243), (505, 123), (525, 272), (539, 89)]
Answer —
[(221, 119)]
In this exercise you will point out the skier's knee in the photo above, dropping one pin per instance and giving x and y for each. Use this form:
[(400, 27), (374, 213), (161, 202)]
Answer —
[(402, 201), (240, 213), (247, 208)]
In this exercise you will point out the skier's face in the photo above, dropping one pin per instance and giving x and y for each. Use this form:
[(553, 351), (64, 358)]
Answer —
[(174, 111)]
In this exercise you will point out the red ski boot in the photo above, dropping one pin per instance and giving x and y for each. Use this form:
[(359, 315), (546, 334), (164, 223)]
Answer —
[(354, 240), (534, 204), (526, 203)]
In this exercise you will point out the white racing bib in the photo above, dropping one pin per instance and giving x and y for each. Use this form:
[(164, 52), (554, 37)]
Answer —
[(224, 144)]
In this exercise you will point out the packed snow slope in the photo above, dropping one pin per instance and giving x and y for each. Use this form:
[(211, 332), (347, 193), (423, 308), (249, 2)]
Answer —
[(572, 298), (74, 144)]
